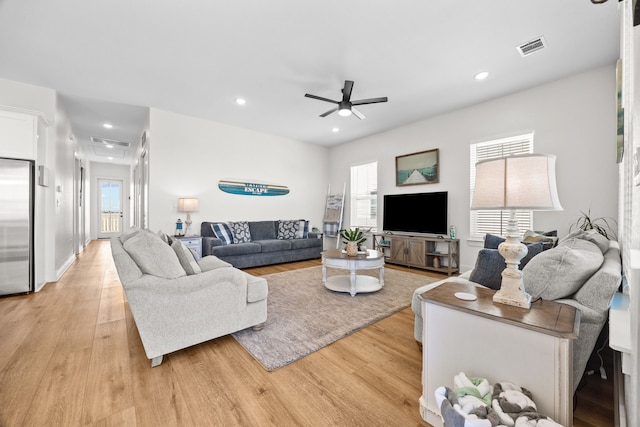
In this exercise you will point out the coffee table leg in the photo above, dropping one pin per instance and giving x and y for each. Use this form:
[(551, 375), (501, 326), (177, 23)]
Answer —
[(324, 274), (381, 275), (353, 283)]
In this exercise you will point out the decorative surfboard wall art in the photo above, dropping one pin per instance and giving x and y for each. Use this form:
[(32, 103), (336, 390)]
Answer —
[(243, 188)]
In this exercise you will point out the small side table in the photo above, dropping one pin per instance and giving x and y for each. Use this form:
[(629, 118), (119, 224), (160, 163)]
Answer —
[(530, 348), (192, 242)]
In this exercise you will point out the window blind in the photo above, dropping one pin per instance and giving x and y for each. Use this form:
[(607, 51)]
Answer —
[(364, 196), (492, 221)]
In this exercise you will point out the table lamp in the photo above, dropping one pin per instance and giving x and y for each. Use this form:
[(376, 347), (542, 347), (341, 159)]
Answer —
[(525, 182), (188, 205)]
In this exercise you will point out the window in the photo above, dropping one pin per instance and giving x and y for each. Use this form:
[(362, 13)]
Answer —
[(364, 196), (491, 221)]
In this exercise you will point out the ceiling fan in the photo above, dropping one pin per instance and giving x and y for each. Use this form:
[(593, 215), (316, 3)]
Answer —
[(345, 107)]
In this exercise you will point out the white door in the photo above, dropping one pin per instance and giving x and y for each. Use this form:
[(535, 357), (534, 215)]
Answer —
[(110, 212)]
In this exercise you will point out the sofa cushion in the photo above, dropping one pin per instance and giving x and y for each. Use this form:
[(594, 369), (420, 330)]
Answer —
[(490, 264), (287, 228), (222, 232), (154, 256), (303, 230), (305, 243), (599, 289), (559, 272), (262, 230), (186, 258), (236, 249), (274, 245), (240, 231)]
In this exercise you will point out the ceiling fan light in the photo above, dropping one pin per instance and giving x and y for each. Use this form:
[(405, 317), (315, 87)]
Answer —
[(344, 112)]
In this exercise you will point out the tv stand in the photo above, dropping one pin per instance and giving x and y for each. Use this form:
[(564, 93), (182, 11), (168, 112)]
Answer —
[(439, 254)]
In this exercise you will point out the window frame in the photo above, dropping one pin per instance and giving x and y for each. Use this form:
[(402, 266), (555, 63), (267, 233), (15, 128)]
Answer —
[(369, 194)]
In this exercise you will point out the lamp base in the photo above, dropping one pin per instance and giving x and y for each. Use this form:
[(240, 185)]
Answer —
[(512, 288), (512, 294)]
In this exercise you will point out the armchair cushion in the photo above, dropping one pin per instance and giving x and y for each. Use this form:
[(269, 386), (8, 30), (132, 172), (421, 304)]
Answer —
[(153, 256)]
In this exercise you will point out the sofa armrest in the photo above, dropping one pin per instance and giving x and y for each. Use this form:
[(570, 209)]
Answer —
[(208, 243), (313, 235), (188, 284)]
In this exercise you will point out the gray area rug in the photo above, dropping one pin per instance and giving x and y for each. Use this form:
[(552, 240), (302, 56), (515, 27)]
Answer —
[(304, 316)]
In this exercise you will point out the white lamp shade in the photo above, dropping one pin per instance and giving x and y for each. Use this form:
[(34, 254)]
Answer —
[(187, 205), (525, 182)]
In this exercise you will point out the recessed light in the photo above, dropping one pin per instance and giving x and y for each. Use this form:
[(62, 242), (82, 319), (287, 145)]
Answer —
[(335, 130), (241, 101), (482, 75), (110, 158), (109, 146), (107, 125)]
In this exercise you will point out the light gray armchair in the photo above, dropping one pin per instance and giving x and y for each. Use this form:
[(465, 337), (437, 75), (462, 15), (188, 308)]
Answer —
[(173, 310)]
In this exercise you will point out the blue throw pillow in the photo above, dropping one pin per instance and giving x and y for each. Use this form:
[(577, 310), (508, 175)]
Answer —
[(489, 265), (222, 232)]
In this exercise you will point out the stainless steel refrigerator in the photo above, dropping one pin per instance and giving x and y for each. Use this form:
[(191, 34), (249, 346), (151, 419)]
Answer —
[(16, 226)]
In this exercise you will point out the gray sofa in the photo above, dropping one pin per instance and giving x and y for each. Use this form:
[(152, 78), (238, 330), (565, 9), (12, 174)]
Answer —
[(578, 272), (177, 301), (265, 247)]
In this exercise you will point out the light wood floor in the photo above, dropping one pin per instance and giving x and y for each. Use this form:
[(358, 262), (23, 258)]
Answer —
[(70, 355)]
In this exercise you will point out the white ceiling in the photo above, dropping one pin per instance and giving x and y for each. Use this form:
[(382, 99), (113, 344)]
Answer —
[(111, 60)]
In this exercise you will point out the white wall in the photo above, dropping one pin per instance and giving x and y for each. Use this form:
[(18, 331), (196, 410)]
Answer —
[(573, 118), (63, 184), (42, 100), (108, 171), (188, 156)]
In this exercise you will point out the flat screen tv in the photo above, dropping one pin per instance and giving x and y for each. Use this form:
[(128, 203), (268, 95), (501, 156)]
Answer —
[(416, 213)]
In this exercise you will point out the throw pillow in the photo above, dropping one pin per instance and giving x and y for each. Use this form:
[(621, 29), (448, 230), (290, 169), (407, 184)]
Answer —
[(287, 229), (590, 235), (222, 232), (490, 264), (303, 230), (186, 258), (559, 272), (166, 238), (492, 242), (154, 256), (240, 231), (549, 238)]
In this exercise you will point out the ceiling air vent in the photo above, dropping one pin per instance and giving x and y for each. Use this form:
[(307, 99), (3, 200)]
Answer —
[(106, 141), (532, 46)]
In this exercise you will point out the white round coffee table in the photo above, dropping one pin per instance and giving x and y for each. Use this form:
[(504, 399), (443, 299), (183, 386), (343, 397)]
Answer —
[(353, 283)]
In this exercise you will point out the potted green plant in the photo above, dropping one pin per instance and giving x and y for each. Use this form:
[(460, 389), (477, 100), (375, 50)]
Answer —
[(352, 237), (601, 225)]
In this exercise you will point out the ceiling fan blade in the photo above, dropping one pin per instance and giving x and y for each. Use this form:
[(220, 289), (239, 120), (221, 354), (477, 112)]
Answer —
[(329, 112), (370, 101), (308, 95), (357, 113), (346, 91)]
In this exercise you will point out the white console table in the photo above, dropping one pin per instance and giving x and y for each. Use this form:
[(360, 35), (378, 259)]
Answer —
[(531, 348)]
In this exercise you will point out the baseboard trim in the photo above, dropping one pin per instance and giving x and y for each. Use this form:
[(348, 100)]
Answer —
[(65, 267)]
